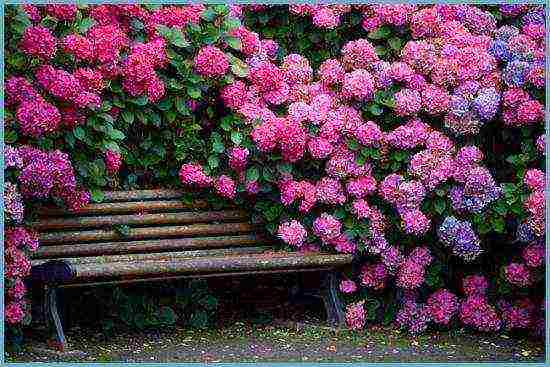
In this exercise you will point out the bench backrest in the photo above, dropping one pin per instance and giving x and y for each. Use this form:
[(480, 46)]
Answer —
[(160, 226)]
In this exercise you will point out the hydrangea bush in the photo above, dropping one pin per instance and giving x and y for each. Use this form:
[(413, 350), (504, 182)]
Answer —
[(409, 136)]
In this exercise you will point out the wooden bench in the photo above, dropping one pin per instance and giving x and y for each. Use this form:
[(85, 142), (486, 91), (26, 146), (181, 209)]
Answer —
[(165, 239)]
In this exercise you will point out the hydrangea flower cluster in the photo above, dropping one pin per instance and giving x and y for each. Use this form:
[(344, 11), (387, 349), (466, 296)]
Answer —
[(475, 311), (18, 244), (460, 237), (49, 174), (459, 73), (13, 203)]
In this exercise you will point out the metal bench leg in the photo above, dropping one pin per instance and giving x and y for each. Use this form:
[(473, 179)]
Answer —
[(333, 304), (53, 316)]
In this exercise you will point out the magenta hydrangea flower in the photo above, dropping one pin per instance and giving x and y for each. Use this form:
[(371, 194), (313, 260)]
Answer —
[(347, 286), (534, 179), (193, 174), (443, 305), (225, 186), (113, 161), (518, 274), (476, 312), (238, 158), (38, 117), (475, 285), (211, 62), (38, 41), (533, 255)]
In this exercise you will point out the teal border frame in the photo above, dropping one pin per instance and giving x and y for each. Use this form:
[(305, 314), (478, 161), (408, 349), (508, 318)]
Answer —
[(276, 2)]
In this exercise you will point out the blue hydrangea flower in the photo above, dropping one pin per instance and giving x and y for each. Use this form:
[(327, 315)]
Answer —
[(486, 103)]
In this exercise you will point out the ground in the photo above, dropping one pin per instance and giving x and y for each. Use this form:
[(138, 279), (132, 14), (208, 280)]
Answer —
[(268, 325), (312, 342)]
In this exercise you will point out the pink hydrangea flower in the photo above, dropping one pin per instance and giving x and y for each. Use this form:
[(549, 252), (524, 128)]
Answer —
[(355, 316), (534, 179), (326, 227), (443, 305), (292, 233), (193, 174), (361, 187), (533, 255), (358, 84), (374, 276)]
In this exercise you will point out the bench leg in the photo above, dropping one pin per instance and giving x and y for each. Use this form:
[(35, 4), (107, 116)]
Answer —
[(52, 315), (333, 304)]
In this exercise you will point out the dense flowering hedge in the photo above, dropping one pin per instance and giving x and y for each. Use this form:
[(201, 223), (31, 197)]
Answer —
[(409, 136)]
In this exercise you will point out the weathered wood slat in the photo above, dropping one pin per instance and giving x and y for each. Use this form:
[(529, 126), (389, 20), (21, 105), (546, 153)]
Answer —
[(126, 207), (259, 262), (152, 245), (137, 195), (156, 256), (139, 219), (133, 280), (146, 232)]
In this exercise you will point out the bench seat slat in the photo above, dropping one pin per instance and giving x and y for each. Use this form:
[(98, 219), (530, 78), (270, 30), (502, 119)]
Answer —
[(218, 264), (146, 232), (139, 219), (151, 245), (157, 256)]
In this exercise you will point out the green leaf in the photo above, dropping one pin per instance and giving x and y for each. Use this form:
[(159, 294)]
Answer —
[(236, 137), (10, 136), (208, 14), (167, 316), (218, 147), (375, 109), (177, 38), (439, 205), (395, 43), (239, 68), (234, 43), (252, 174), (127, 116), (116, 134), (97, 195), (140, 101), (209, 302), (380, 33), (213, 161), (79, 133), (106, 117), (194, 92), (85, 24), (498, 224), (231, 23), (199, 319)]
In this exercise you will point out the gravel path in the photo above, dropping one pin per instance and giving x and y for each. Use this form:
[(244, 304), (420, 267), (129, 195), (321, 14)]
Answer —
[(312, 342)]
